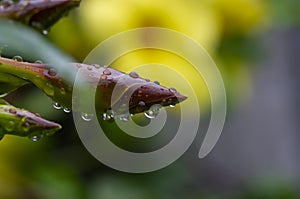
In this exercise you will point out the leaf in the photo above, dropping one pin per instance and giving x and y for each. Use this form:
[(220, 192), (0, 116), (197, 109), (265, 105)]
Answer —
[(9, 83), (140, 93), (39, 14), (20, 122), (17, 40)]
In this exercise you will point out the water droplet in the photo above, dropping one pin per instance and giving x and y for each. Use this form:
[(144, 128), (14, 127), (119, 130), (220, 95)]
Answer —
[(140, 106), (52, 72), (35, 138), (103, 77), (156, 82), (144, 88), (87, 116), (10, 126), (67, 110), (18, 58), (12, 111), (147, 80), (107, 116), (140, 93), (173, 90), (62, 91), (25, 125), (90, 67), (134, 75), (141, 103), (56, 106), (45, 32), (48, 88), (38, 62), (106, 72), (172, 105), (153, 111), (124, 118), (111, 113), (97, 66), (78, 65)]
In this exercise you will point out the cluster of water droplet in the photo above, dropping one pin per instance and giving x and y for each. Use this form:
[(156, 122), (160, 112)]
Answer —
[(57, 106), (109, 114)]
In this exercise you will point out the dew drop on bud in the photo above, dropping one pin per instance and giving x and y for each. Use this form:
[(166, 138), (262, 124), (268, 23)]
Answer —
[(48, 88), (18, 58), (45, 32), (152, 112), (141, 103), (141, 106), (103, 77), (62, 91), (35, 138), (12, 111), (66, 110), (52, 72), (106, 72), (134, 75), (87, 116), (56, 106), (97, 66), (156, 82), (38, 62), (140, 93), (173, 90), (172, 105), (89, 67), (107, 117)]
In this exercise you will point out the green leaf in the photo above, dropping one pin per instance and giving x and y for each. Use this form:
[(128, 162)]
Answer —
[(9, 83), (19, 40)]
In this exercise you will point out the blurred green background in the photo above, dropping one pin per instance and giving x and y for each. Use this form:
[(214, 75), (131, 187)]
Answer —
[(256, 45)]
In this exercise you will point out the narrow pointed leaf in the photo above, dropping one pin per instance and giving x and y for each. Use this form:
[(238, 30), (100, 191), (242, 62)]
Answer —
[(138, 93), (40, 14), (9, 83), (20, 122)]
